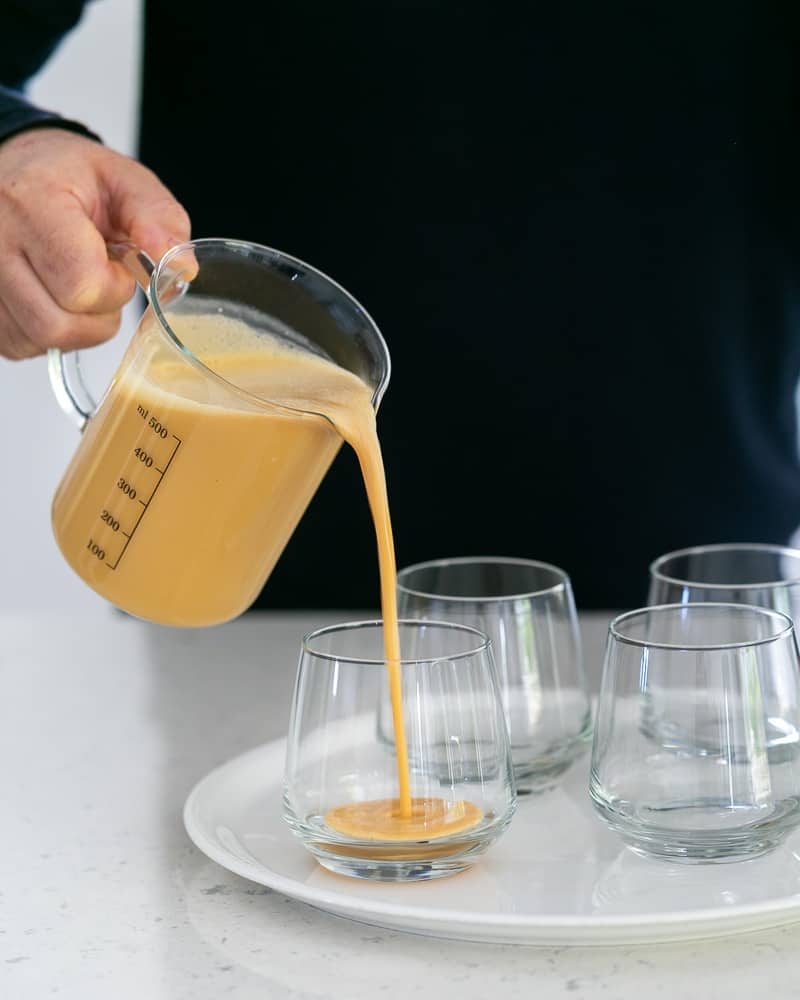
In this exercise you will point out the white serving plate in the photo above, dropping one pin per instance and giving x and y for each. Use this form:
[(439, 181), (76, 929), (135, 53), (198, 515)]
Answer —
[(557, 877)]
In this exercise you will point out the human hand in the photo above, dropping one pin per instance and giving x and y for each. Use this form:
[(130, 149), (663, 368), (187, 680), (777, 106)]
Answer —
[(62, 198)]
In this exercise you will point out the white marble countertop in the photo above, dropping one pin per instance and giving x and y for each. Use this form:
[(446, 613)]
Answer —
[(106, 723)]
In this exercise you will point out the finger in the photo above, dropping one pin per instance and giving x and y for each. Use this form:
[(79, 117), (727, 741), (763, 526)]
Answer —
[(69, 256), (144, 209), (183, 262), (41, 319), (14, 345)]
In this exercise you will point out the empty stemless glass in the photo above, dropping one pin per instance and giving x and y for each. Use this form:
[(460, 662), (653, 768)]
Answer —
[(528, 611), (765, 575), (729, 672), (340, 769)]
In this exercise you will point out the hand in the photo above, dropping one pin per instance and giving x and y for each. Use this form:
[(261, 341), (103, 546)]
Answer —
[(62, 197)]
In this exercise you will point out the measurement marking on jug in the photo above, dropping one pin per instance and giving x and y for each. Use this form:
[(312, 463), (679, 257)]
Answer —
[(95, 549), (130, 491), (110, 520), (127, 489)]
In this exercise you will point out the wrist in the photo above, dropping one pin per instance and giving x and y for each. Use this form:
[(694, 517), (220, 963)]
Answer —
[(25, 120), (45, 131)]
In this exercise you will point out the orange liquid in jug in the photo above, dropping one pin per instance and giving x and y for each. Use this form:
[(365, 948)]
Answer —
[(183, 494)]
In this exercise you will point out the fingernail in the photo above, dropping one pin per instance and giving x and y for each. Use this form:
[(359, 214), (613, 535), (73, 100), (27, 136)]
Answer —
[(153, 240)]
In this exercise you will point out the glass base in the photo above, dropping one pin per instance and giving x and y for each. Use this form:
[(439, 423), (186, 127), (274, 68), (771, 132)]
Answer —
[(544, 772), (692, 728), (419, 864), (701, 843), (398, 861), (697, 854), (394, 871), (535, 782)]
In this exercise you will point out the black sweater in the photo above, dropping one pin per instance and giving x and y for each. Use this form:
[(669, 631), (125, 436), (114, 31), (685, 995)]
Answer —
[(576, 225)]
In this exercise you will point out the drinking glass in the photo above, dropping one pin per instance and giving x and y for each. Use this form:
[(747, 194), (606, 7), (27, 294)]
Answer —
[(528, 610), (765, 575), (729, 672), (458, 752)]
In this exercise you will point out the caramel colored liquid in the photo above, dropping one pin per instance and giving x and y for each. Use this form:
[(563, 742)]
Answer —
[(381, 819), (183, 494)]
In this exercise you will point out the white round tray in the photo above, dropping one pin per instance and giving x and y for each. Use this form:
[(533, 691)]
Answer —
[(557, 877)]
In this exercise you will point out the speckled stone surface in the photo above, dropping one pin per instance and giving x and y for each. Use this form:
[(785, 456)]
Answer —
[(105, 725)]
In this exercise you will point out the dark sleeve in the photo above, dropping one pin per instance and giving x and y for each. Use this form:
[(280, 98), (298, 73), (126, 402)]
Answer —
[(30, 31), (16, 115)]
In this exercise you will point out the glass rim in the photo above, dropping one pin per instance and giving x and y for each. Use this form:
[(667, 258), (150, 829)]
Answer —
[(478, 560), (656, 574), (778, 616), (162, 265), (484, 643)]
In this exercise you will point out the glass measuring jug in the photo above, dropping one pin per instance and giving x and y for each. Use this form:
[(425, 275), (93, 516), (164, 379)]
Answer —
[(187, 483)]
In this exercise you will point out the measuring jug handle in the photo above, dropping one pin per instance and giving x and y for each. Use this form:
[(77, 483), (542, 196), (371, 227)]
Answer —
[(66, 378)]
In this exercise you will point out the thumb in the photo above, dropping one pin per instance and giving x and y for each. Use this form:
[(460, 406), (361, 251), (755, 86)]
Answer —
[(141, 209)]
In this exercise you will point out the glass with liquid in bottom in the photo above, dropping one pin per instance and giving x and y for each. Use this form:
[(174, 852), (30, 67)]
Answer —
[(341, 787), (215, 432)]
